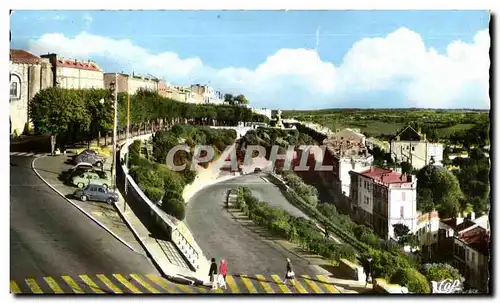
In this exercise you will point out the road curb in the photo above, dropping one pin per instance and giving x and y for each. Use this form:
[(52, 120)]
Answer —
[(81, 209)]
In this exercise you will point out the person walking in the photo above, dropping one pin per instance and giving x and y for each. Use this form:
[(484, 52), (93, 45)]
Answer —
[(368, 269), (223, 272), (213, 273), (289, 275)]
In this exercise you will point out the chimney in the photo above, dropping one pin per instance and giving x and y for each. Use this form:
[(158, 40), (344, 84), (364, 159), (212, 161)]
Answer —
[(472, 216), (425, 137), (397, 138), (459, 219), (408, 178)]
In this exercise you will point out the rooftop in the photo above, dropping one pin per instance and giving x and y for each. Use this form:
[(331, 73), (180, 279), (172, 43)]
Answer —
[(385, 176), (477, 238), (78, 64), (22, 56)]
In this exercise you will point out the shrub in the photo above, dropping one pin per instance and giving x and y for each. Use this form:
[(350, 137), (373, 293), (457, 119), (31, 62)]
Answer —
[(134, 152), (328, 210), (440, 271), (412, 279), (154, 194), (175, 208)]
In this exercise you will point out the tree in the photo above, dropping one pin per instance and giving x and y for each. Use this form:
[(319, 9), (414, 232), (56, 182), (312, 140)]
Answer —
[(241, 100), (443, 187), (400, 230), (229, 98), (406, 167), (57, 111)]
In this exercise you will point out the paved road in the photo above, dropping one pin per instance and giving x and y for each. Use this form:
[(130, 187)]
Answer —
[(50, 237), (220, 236)]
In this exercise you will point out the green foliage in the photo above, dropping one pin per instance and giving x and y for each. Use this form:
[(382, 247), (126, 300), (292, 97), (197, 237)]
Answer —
[(441, 189), (153, 193), (454, 126), (412, 279), (58, 111), (174, 207), (440, 271), (55, 111), (296, 229), (473, 177), (135, 152)]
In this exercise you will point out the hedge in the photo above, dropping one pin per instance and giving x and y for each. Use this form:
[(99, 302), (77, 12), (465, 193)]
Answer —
[(295, 229)]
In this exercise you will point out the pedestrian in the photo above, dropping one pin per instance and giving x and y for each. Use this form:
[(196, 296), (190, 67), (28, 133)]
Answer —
[(223, 269), (213, 273), (368, 269), (289, 275)]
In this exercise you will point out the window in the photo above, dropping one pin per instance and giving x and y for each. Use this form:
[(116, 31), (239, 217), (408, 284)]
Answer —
[(403, 196), (473, 257), (101, 190), (468, 252), (413, 148), (402, 211), (367, 200), (93, 189), (15, 87)]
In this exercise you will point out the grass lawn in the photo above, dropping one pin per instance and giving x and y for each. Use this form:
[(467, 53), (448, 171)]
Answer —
[(447, 131)]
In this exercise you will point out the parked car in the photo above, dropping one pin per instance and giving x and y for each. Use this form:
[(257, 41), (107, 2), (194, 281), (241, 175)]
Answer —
[(96, 192), (85, 152), (80, 170), (81, 165), (90, 178), (92, 158)]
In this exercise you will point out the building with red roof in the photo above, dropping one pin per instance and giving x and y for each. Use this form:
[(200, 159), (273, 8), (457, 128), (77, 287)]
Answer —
[(75, 74), (471, 252), (381, 198)]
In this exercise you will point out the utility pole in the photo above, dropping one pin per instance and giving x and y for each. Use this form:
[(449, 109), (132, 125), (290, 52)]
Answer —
[(128, 152), (115, 126)]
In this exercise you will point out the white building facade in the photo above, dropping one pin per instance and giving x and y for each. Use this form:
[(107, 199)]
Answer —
[(381, 198), (75, 74), (412, 147)]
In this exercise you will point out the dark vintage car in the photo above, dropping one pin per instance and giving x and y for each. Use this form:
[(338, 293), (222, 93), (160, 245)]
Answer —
[(96, 192)]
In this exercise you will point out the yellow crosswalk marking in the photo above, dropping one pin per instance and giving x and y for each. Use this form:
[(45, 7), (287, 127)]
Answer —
[(248, 284), (326, 284), (127, 283), (71, 283), (34, 286), (53, 284), (96, 289), (299, 287), (281, 285), (14, 288), (144, 283), (232, 285), (186, 289), (162, 283), (264, 284), (109, 284), (311, 284)]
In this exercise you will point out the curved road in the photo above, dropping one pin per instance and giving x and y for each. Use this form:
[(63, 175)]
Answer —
[(220, 236), (50, 237)]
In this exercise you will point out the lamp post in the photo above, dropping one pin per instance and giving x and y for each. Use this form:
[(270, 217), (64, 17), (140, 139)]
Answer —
[(114, 87), (128, 138)]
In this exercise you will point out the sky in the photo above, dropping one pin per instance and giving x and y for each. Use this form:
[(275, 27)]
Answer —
[(283, 59)]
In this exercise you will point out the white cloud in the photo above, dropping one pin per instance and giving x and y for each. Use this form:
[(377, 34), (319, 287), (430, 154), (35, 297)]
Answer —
[(399, 62)]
